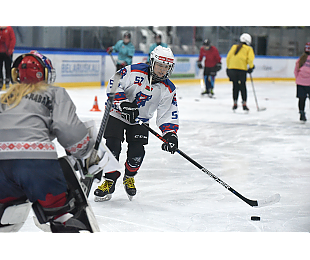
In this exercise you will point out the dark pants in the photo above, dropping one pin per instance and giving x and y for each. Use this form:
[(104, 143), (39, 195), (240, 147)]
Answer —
[(136, 138), (35, 179), (209, 77), (302, 93), (7, 65), (238, 78)]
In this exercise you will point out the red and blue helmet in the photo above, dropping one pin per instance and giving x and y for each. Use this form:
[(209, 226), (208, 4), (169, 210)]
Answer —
[(33, 67)]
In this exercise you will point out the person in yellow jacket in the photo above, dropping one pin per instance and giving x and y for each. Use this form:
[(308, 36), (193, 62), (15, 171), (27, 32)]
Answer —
[(240, 62)]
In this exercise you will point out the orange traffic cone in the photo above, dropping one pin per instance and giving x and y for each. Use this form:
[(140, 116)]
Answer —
[(95, 106)]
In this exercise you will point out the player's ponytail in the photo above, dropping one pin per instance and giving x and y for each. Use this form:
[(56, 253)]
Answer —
[(303, 59), (16, 92), (239, 47)]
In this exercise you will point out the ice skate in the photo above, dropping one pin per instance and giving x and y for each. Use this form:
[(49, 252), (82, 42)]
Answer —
[(129, 185), (104, 191), (235, 106), (302, 116), (211, 94), (244, 106)]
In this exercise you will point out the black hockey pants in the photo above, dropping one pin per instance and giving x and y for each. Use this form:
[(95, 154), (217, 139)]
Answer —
[(238, 77), (136, 138)]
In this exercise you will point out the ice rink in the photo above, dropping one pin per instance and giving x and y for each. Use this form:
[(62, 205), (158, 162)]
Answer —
[(258, 154)]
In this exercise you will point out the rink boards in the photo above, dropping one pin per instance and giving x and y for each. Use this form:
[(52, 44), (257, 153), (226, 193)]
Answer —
[(93, 69)]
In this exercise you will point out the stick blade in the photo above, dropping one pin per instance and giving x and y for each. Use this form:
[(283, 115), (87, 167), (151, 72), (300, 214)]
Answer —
[(262, 109), (268, 201)]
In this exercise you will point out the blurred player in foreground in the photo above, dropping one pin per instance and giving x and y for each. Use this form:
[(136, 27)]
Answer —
[(32, 114)]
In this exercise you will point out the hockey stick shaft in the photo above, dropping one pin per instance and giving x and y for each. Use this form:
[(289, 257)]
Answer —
[(88, 179), (105, 117), (254, 92), (114, 62), (252, 203)]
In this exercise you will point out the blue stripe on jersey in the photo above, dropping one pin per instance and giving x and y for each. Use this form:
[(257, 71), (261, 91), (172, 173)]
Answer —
[(140, 67), (169, 127), (119, 96), (169, 85), (143, 119)]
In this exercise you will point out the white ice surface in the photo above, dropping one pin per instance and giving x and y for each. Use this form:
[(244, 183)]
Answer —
[(258, 154)]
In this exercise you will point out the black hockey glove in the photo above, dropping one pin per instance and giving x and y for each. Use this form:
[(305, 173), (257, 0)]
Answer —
[(199, 64), (172, 144), (130, 111), (251, 70), (218, 66)]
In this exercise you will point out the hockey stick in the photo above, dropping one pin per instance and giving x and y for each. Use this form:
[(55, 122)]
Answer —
[(258, 109), (253, 203), (88, 179), (113, 60)]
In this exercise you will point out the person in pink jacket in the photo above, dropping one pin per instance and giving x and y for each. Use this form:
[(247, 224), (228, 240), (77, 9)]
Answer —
[(302, 75)]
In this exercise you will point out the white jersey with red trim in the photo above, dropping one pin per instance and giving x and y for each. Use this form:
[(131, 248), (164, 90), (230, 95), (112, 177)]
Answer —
[(159, 97), (27, 130)]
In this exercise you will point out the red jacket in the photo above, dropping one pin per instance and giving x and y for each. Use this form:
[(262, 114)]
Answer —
[(7, 40), (212, 56)]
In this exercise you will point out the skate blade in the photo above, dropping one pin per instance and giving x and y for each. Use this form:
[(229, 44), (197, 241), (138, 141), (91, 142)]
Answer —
[(130, 197), (104, 198)]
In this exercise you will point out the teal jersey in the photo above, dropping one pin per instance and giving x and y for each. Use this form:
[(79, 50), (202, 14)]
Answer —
[(153, 46), (125, 52)]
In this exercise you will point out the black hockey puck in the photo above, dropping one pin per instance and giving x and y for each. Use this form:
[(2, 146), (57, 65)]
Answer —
[(255, 218)]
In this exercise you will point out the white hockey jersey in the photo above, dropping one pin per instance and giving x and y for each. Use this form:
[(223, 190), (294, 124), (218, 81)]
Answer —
[(159, 97)]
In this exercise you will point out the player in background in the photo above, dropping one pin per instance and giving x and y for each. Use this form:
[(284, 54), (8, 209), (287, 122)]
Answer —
[(302, 76), (212, 64), (144, 89), (125, 50), (158, 41), (239, 57), (7, 45), (32, 114)]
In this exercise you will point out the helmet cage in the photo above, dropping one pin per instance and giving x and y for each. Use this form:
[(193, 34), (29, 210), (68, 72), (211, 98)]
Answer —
[(163, 56)]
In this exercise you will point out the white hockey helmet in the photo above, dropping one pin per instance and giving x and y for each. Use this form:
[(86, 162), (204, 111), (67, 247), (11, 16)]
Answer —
[(246, 38), (164, 56)]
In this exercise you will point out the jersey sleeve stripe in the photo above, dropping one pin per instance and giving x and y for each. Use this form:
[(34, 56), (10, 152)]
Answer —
[(169, 127)]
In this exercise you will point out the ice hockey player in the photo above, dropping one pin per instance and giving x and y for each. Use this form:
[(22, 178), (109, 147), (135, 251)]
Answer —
[(239, 57), (302, 76), (212, 65), (32, 114), (158, 41), (144, 89), (125, 50)]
